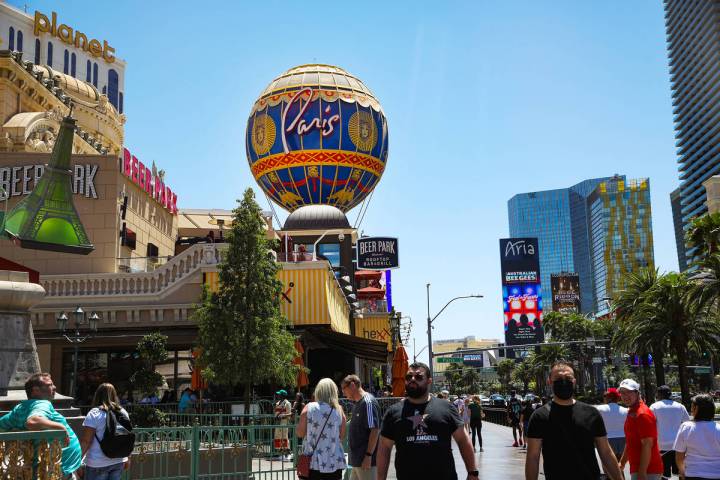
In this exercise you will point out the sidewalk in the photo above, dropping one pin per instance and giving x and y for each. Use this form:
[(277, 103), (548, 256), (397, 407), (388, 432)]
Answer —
[(500, 460)]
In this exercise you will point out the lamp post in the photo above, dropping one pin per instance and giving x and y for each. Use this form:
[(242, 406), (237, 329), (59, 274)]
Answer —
[(80, 317), (341, 238), (431, 320)]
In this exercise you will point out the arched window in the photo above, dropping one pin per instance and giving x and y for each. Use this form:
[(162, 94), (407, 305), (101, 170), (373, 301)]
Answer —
[(113, 88), (37, 51), (49, 60), (11, 36), (19, 41), (87, 72), (120, 102), (95, 74), (66, 62), (73, 64)]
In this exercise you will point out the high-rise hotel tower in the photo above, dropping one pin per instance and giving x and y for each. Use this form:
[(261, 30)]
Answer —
[(693, 42)]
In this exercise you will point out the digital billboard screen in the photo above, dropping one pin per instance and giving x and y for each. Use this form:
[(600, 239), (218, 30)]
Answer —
[(565, 292), (522, 296)]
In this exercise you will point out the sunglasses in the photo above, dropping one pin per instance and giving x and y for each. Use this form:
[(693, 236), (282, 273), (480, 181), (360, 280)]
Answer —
[(418, 376)]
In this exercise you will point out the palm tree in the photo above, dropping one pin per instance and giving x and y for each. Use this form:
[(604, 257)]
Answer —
[(688, 326), (470, 379), (524, 373), (704, 234), (628, 305), (504, 371), (453, 373)]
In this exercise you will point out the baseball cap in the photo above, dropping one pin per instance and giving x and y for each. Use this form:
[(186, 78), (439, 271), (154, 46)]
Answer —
[(281, 392), (629, 384), (612, 392)]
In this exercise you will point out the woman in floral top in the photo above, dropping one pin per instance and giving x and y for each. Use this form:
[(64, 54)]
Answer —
[(322, 422)]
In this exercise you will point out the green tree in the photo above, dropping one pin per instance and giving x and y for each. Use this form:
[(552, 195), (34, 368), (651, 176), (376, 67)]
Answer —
[(704, 235), (470, 380), (629, 308), (244, 337), (524, 373), (504, 371), (689, 328), (453, 375), (152, 349)]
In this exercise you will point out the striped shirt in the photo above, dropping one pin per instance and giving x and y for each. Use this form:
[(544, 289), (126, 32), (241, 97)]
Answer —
[(365, 417)]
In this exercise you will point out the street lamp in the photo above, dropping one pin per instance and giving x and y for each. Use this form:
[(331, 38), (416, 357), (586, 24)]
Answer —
[(341, 238), (80, 317), (431, 320)]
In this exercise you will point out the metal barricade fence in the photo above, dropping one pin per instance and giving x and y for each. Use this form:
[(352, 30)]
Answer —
[(261, 406), (209, 452), (498, 416), (31, 455)]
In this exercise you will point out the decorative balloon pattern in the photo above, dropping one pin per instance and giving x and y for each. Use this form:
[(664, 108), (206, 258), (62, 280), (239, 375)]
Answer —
[(317, 135)]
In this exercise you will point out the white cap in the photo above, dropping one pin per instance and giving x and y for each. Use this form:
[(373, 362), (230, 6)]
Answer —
[(629, 384), (445, 392)]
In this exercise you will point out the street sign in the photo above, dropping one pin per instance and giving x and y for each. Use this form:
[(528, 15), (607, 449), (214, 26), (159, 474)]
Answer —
[(702, 369), (450, 360), (597, 360)]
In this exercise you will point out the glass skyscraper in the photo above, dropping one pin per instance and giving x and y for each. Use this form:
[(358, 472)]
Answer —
[(621, 238), (559, 220), (693, 42)]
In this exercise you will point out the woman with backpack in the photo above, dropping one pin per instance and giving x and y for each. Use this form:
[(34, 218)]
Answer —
[(107, 439)]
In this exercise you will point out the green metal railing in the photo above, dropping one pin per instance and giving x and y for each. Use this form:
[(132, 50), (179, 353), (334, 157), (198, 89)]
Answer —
[(257, 407), (214, 452), (218, 419), (31, 455)]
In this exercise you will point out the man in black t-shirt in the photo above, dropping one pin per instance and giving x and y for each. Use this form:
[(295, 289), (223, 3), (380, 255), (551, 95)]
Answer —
[(567, 432), (421, 427)]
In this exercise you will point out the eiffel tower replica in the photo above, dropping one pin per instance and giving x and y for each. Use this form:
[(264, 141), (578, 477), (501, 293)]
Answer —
[(47, 219)]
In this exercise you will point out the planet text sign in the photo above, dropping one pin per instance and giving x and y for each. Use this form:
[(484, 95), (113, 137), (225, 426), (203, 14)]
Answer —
[(522, 297), (67, 35), (377, 253)]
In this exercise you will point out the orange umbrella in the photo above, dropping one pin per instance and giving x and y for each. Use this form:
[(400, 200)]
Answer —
[(302, 378), (399, 369), (197, 382)]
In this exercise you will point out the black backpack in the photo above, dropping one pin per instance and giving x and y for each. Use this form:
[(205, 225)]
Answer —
[(119, 439)]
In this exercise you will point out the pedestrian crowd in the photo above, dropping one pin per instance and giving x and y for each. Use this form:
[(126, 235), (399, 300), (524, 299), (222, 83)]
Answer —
[(656, 441)]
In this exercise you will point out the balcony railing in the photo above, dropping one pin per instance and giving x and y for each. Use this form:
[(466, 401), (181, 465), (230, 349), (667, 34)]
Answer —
[(138, 283), (31, 455), (141, 264), (373, 306)]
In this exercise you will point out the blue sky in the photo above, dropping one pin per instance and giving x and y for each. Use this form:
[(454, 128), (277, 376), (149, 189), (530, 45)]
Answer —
[(484, 99)]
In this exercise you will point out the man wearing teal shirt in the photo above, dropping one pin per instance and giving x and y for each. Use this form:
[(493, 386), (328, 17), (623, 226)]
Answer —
[(37, 413)]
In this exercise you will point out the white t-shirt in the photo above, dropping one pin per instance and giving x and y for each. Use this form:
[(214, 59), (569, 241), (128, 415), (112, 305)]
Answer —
[(669, 415), (614, 417), (701, 443), (95, 457)]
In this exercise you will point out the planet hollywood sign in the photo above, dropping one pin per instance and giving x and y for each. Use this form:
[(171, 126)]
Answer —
[(149, 181)]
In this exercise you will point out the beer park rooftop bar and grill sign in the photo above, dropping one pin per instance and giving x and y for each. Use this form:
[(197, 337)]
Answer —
[(377, 253)]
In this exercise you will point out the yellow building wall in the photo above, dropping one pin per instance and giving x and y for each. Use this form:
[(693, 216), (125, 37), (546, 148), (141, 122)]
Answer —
[(375, 327), (313, 296)]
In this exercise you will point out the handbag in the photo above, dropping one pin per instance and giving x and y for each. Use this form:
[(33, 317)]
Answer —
[(303, 464)]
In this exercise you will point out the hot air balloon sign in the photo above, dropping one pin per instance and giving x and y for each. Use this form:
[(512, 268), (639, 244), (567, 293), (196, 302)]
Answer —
[(317, 136)]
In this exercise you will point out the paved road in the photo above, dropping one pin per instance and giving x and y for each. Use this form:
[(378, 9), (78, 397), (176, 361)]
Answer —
[(499, 460)]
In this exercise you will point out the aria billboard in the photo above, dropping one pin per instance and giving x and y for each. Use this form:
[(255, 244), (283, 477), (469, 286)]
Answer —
[(522, 296), (565, 292)]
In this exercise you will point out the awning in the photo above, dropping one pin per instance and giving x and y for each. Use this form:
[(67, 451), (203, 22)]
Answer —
[(371, 291), (365, 274), (318, 337)]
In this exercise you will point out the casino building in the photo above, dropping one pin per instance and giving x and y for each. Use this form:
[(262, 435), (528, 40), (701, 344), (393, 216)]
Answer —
[(152, 259)]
